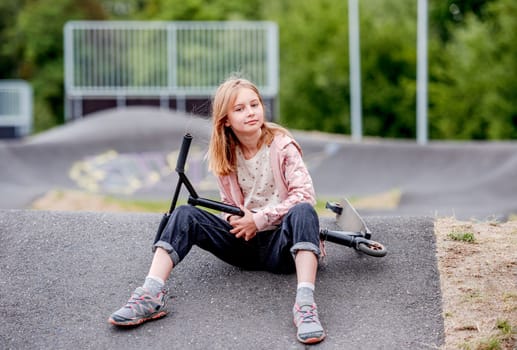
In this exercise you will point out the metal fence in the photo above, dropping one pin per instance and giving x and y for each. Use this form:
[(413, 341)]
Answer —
[(15, 108), (168, 62)]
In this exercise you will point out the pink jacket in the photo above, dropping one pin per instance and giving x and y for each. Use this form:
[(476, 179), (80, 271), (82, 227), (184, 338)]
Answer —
[(290, 174)]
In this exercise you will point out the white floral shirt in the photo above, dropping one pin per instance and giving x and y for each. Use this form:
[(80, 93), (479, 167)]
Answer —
[(291, 179)]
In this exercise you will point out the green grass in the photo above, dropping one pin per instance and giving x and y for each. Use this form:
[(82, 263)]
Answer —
[(492, 343), (160, 206), (504, 326), (142, 205), (163, 206), (467, 237), (496, 341)]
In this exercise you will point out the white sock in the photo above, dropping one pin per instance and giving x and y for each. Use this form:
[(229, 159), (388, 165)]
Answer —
[(306, 285), (154, 284), (305, 293)]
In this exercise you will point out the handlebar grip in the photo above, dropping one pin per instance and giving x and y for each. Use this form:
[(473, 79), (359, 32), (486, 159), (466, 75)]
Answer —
[(208, 203), (182, 156)]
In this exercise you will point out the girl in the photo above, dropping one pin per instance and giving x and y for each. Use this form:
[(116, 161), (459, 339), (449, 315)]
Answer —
[(259, 168)]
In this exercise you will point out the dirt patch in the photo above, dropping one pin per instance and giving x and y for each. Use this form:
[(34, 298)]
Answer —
[(477, 263), (478, 269)]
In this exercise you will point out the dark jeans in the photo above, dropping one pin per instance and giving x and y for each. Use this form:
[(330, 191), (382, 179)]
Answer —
[(269, 250)]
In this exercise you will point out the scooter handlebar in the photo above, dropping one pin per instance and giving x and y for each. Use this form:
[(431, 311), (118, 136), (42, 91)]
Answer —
[(182, 156), (208, 203)]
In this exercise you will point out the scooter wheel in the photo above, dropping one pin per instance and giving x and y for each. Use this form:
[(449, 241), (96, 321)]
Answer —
[(372, 248)]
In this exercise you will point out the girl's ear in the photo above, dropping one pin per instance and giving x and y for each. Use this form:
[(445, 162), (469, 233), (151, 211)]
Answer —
[(227, 122)]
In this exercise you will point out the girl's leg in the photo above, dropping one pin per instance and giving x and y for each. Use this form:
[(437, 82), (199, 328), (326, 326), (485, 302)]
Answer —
[(298, 234), (191, 226), (160, 269), (162, 265), (305, 312), (175, 242), (301, 228), (306, 266), (187, 226)]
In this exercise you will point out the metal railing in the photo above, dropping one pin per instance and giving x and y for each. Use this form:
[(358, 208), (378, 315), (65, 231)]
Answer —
[(16, 107), (163, 60)]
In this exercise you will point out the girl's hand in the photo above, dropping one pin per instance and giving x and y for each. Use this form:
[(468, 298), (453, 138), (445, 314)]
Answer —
[(244, 226)]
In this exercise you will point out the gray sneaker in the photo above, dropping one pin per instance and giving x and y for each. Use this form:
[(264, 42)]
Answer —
[(309, 329), (140, 307)]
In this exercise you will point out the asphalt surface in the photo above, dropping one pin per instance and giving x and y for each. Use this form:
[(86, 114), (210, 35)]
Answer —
[(63, 273)]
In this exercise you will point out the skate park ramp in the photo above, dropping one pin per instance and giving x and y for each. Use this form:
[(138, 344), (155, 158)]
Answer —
[(63, 273), (466, 180)]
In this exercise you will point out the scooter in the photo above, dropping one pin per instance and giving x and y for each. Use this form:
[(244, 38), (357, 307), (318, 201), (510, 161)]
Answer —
[(355, 235)]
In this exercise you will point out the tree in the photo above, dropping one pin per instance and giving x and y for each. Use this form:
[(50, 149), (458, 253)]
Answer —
[(202, 10), (8, 12), (447, 16), (313, 63), (471, 58), (36, 47), (388, 55), (474, 91)]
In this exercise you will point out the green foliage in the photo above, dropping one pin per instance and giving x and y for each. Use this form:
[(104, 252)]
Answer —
[(389, 68), (472, 57), (447, 16), (504, 326), (202, 10), (503, 339), (492, 343), (8, 11), (123, 9), (467, 237), (313, 64), (474, 92), (36, 46)]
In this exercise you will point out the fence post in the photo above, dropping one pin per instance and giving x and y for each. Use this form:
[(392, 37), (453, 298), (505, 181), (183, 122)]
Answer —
[(422, 78), (355, 71)]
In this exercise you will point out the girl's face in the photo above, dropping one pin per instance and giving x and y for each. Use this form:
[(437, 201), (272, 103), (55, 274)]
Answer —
[(246, 114)]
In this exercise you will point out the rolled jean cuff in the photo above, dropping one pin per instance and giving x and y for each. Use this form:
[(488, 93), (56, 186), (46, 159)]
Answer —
[(169, 249), (305, 246)]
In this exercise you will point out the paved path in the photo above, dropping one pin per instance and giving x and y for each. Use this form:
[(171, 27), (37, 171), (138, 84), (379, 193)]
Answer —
[(63, 274)]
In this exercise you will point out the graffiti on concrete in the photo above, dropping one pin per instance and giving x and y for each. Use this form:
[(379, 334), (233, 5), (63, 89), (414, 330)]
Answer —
[(126, 173)]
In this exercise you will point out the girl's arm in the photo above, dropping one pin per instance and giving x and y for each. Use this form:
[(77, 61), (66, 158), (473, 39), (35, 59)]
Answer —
[(225, 189)]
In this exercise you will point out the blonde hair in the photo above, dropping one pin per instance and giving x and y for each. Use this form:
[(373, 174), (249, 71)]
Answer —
[(221, 149)]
